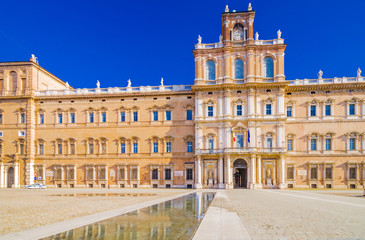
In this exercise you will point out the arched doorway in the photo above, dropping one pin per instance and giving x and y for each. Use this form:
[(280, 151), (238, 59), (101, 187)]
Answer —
[(10, 177), (240, 173)]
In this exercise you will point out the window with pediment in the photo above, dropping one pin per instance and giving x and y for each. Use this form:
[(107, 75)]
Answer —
[(210, 70), (352, 141), (328, 141), (352, 107), (313, 108), (290, 142), (269, 140), (103, 145), (268, 67), (328, 107), (189, 141), (313, 141)]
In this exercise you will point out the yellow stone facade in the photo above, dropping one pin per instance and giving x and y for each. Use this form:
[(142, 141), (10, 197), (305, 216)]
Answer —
[(241, 125)]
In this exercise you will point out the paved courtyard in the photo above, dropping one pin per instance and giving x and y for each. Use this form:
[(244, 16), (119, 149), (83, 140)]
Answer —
[(234, 214), (280, 214)]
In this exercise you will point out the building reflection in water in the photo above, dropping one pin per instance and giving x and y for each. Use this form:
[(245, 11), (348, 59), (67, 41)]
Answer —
[(174, 219)]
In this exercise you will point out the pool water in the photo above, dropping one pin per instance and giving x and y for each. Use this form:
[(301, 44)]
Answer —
[(175, 219)]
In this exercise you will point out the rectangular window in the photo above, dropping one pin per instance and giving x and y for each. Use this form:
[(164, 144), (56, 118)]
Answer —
[(22, 118), (121, 173), (21, 148), (210, 111), (72, 117), (122, 148), (313, 144), (290, 172), (239, 110), (59, 146), (1, 118), (269, 143), (41, 149), (72, 148), (328, 172), (351, 109), (352, 173), (313, 111), (155, 174), (168, 115), (352, 144), (240, 140), (327, 110), (211, 143), (155, 147), (289, 145), (168, 147), (60, 118), (190, 147), (103, 147), (328, 144), (155, 116), (314, 172), (134, 174), (41, 118), (189, 174), (122, 116), (91, 117), (268, 109), (135, 147), (167, 173), (189, 115), (103, 117), (1, 134), (289, 111), (135, 116), (91, 148)]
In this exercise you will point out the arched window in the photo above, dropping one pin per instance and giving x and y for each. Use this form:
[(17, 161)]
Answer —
[(268, 67), (210, 70), (238, 69)]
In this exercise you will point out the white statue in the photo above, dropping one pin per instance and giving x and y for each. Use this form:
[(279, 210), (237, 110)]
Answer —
[(161, 81), (249, 7), (33, 57), (199, 39), (257, 36), (129, 83), (227, 9), (320, 74), (359, 73), (67, 85), (279, 34), (97, 84), (220, 38)]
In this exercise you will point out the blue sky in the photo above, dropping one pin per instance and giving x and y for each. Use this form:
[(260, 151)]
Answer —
[(112, 41)]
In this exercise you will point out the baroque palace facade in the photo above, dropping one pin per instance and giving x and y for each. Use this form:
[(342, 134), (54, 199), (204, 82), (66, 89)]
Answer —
[(241, 125)]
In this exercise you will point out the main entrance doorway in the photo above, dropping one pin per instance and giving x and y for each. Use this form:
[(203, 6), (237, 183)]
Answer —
[(240, 173), (10, 177)]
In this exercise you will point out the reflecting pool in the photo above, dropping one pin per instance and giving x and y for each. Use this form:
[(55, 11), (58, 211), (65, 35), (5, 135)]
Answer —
[(103, 195), (175, 219)]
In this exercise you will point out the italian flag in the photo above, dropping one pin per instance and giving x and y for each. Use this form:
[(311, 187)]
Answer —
[(233, 136)]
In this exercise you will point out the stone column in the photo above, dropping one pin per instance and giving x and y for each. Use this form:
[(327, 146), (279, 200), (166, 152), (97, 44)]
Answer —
[(251, 128), (228, 172), (16, 176), (2, 173), (198, 181), (220, 106), (199, 138), (253, 172), (250, 65), (227, 67), (227, 104), (220, 167), (280, 103), (259, 183), (280, 136), (251, 103), (220, 137), (227, 137), (279, 75), (282, 172), (198, 107)]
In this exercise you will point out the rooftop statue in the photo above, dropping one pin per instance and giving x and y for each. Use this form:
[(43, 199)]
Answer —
[(97, 84), (257, 36), (320, 74), (199, 39), (220, 38), (358, 72), (67, 85), (129, 83), (161, 81), (279, 34)]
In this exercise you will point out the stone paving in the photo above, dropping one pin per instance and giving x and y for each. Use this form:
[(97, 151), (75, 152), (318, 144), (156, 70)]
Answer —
[(283, 214)]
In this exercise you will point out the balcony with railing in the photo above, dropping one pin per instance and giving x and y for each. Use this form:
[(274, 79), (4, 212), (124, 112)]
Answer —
[(320, 81), (113, 90), (242, 150)]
